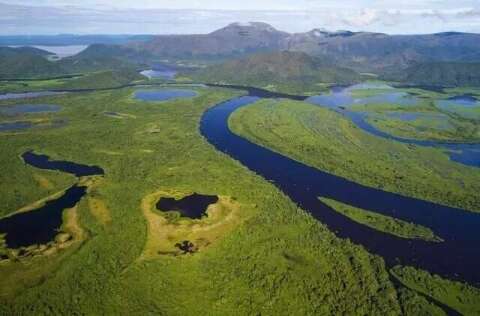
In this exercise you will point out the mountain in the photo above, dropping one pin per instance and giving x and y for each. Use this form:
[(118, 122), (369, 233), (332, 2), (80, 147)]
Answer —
[(379, 52), (233, 40), (445, 74), (362, 51), (293, 72)]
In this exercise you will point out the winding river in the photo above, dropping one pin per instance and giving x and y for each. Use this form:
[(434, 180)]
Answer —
[(458, 257)]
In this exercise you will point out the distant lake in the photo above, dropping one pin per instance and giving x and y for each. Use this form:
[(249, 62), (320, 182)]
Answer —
[(60, 51), (164, 95), (159, 74), (28, 95), (461, 101)]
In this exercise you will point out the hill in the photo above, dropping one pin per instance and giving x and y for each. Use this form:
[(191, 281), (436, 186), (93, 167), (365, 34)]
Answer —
[(447, 74), (103, 57), (292, 72), (32, 63), (26, 62)]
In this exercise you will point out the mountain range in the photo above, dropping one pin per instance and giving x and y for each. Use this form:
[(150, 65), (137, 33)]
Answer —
[(247, 52), (362, 51)]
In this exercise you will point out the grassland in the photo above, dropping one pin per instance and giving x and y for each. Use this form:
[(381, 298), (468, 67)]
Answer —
[(327, 141), (458, 296), (273, 259), (383, 223)]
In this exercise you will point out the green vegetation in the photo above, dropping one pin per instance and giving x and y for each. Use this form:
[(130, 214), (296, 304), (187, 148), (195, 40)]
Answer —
[(326, 140), (94, 80), (254, 266), (459, 296), (414, 304), (290, 72), (26, 63), (432, 125), (383, 223), (425, 120), (449, 74), (103, 80)]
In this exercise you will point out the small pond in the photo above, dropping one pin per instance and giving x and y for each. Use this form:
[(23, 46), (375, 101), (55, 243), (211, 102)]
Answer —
[(164, 95), (28, 95), (15, 126), (29, 109), (193, 206), (24, 125)]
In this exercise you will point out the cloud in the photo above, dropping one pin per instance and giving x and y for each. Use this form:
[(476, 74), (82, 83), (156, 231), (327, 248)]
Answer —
[(48, 17)]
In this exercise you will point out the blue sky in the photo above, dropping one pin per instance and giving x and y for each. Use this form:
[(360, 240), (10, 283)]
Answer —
[(182, 16)]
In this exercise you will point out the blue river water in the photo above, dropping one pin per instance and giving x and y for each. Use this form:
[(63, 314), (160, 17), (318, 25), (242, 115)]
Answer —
[(458, 257)]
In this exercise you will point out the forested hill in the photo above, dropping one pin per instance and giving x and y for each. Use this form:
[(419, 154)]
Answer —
[(31, 63), (293, 71), (448, 74)]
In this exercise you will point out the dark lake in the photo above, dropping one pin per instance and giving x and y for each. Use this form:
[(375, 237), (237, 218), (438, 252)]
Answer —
[(41, 225), (164, 95), (458, 257), (193, 206), (44, 162)]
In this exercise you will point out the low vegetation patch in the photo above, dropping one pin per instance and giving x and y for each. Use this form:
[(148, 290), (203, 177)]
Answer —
[(383, 223), (170, 234)]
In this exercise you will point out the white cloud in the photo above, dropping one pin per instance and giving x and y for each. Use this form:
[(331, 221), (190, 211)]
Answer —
[(54, 16)]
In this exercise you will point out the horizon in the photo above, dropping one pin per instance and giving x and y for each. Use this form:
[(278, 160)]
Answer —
[(208, 32), (126, 17)]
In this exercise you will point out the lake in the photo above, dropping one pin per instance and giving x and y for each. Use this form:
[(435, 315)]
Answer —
[(164, 95), (40, 226)]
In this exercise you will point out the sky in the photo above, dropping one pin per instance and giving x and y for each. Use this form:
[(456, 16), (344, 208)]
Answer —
[(47, 17)]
